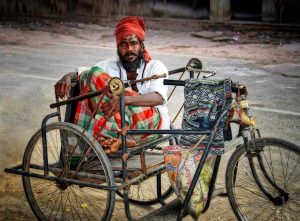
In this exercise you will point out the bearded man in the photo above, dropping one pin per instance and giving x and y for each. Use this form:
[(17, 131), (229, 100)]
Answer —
[(145, 103)]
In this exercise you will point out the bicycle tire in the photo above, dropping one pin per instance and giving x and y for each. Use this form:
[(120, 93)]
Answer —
[(52, 200), (145, 192), (281, 162)]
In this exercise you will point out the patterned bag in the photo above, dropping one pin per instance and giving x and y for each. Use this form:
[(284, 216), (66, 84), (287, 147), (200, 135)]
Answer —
[(181, 167), (205, 100)]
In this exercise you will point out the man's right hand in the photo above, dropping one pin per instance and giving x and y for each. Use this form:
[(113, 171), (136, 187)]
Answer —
[(63, 86)]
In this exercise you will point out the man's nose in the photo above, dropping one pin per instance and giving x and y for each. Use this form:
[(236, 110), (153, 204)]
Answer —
[(129, 47)]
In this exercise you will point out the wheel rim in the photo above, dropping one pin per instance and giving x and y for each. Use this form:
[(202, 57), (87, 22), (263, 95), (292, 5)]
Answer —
[(282, 165), (57, 200), (146, 191)]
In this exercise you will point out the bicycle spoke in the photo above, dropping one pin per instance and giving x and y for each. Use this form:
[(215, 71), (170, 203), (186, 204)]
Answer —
[(284, 175), (280, 163), (58, 200)]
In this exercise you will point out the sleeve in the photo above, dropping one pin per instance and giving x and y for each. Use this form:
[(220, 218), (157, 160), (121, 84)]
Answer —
[(158, 84)]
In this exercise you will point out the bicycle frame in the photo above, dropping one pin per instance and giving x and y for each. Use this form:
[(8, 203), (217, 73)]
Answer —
[(127, 154), (246, 132)]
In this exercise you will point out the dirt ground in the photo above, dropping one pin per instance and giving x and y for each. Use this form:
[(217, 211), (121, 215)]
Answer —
[(263, 48)]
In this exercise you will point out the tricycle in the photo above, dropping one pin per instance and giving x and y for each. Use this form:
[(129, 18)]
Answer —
[(68, 176)]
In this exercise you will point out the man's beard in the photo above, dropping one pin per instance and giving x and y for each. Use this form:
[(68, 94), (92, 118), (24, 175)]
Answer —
[(132, 66)]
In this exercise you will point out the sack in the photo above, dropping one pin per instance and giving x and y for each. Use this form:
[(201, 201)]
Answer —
[(181, 165)]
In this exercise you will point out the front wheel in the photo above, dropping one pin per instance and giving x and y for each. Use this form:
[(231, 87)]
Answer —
[(58, 200), (277, 167)]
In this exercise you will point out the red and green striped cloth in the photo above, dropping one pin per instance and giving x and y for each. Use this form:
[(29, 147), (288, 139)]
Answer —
[(135, 117)]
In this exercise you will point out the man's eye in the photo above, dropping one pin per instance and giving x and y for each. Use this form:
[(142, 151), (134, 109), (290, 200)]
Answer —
[(134, 43), (123, 45)]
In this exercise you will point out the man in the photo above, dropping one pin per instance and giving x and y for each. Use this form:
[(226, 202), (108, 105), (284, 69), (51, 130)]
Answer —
[(145, 102)]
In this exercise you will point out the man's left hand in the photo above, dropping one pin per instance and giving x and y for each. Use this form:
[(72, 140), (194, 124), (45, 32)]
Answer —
[(112, 106)]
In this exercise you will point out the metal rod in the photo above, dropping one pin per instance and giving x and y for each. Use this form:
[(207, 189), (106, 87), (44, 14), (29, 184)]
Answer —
[(60, 179), (143, 176), (158, 189), (153, 77), (174, 82), (44, 140), (78, 175), (78, 98), (137, 149), (212, 183), (176, 71), (175, 131)]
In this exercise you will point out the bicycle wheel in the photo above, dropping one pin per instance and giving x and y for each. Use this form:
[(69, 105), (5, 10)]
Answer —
[(145, 193), (278, 171), (56, 200)]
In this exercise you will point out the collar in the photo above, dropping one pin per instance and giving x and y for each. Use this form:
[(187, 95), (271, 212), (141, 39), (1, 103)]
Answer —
[(139, 71)]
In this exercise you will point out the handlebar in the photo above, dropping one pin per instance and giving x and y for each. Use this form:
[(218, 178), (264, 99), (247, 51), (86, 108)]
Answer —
[(153, 77), (98, 92)]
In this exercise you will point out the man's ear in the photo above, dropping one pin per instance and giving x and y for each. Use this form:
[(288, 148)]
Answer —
[(142, 46)]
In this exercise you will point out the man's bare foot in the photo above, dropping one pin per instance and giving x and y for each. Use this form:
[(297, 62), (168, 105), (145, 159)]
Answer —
[(112, 145), (117, 145)]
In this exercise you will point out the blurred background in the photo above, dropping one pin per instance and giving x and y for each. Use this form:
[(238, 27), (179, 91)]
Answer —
[(259, 11)]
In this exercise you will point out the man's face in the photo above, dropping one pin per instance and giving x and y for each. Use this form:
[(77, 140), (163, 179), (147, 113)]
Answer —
[(130, 51)]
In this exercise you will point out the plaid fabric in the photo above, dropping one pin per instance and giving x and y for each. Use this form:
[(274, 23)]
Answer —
[(135, 117), (205, 99)]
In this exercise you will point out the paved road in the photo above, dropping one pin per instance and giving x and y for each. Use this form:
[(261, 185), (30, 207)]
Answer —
[(28, 74)]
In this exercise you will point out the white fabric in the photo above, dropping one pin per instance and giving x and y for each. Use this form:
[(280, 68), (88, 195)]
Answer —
[(152, 68)]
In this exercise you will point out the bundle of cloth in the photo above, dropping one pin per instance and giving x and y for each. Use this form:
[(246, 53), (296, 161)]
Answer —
[(108, 131)]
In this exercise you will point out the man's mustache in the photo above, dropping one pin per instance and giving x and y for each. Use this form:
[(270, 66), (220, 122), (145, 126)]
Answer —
[(130, 53)]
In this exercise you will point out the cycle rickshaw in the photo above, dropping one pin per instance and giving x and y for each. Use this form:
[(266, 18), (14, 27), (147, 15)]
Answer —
[(67, 175)]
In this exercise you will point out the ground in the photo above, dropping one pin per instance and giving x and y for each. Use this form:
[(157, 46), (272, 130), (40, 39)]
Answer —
[(31, 53)]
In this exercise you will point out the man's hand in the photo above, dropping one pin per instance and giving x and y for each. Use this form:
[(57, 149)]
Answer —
[(111, 106), (63, 86)]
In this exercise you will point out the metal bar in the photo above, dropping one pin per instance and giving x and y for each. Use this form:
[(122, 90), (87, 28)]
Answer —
[(17, 167), (135, 150), (78, 98), (124, 160), (158, 189), (153, 77), (174, 82), (60, 179), (176, 71), (175, 131), (212, 183), (143, 176), (192, 73), (78, 175), (44, 140), (123, 137), (143, 162), (58, 108)]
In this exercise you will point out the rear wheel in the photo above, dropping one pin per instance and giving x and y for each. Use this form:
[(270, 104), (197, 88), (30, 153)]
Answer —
[(57, 200), (278, 171), (146, 191)]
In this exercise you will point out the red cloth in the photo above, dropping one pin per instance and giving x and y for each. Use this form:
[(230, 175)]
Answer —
[(132, 25)]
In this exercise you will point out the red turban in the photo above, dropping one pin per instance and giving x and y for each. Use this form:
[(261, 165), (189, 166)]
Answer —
[(132, 25)]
